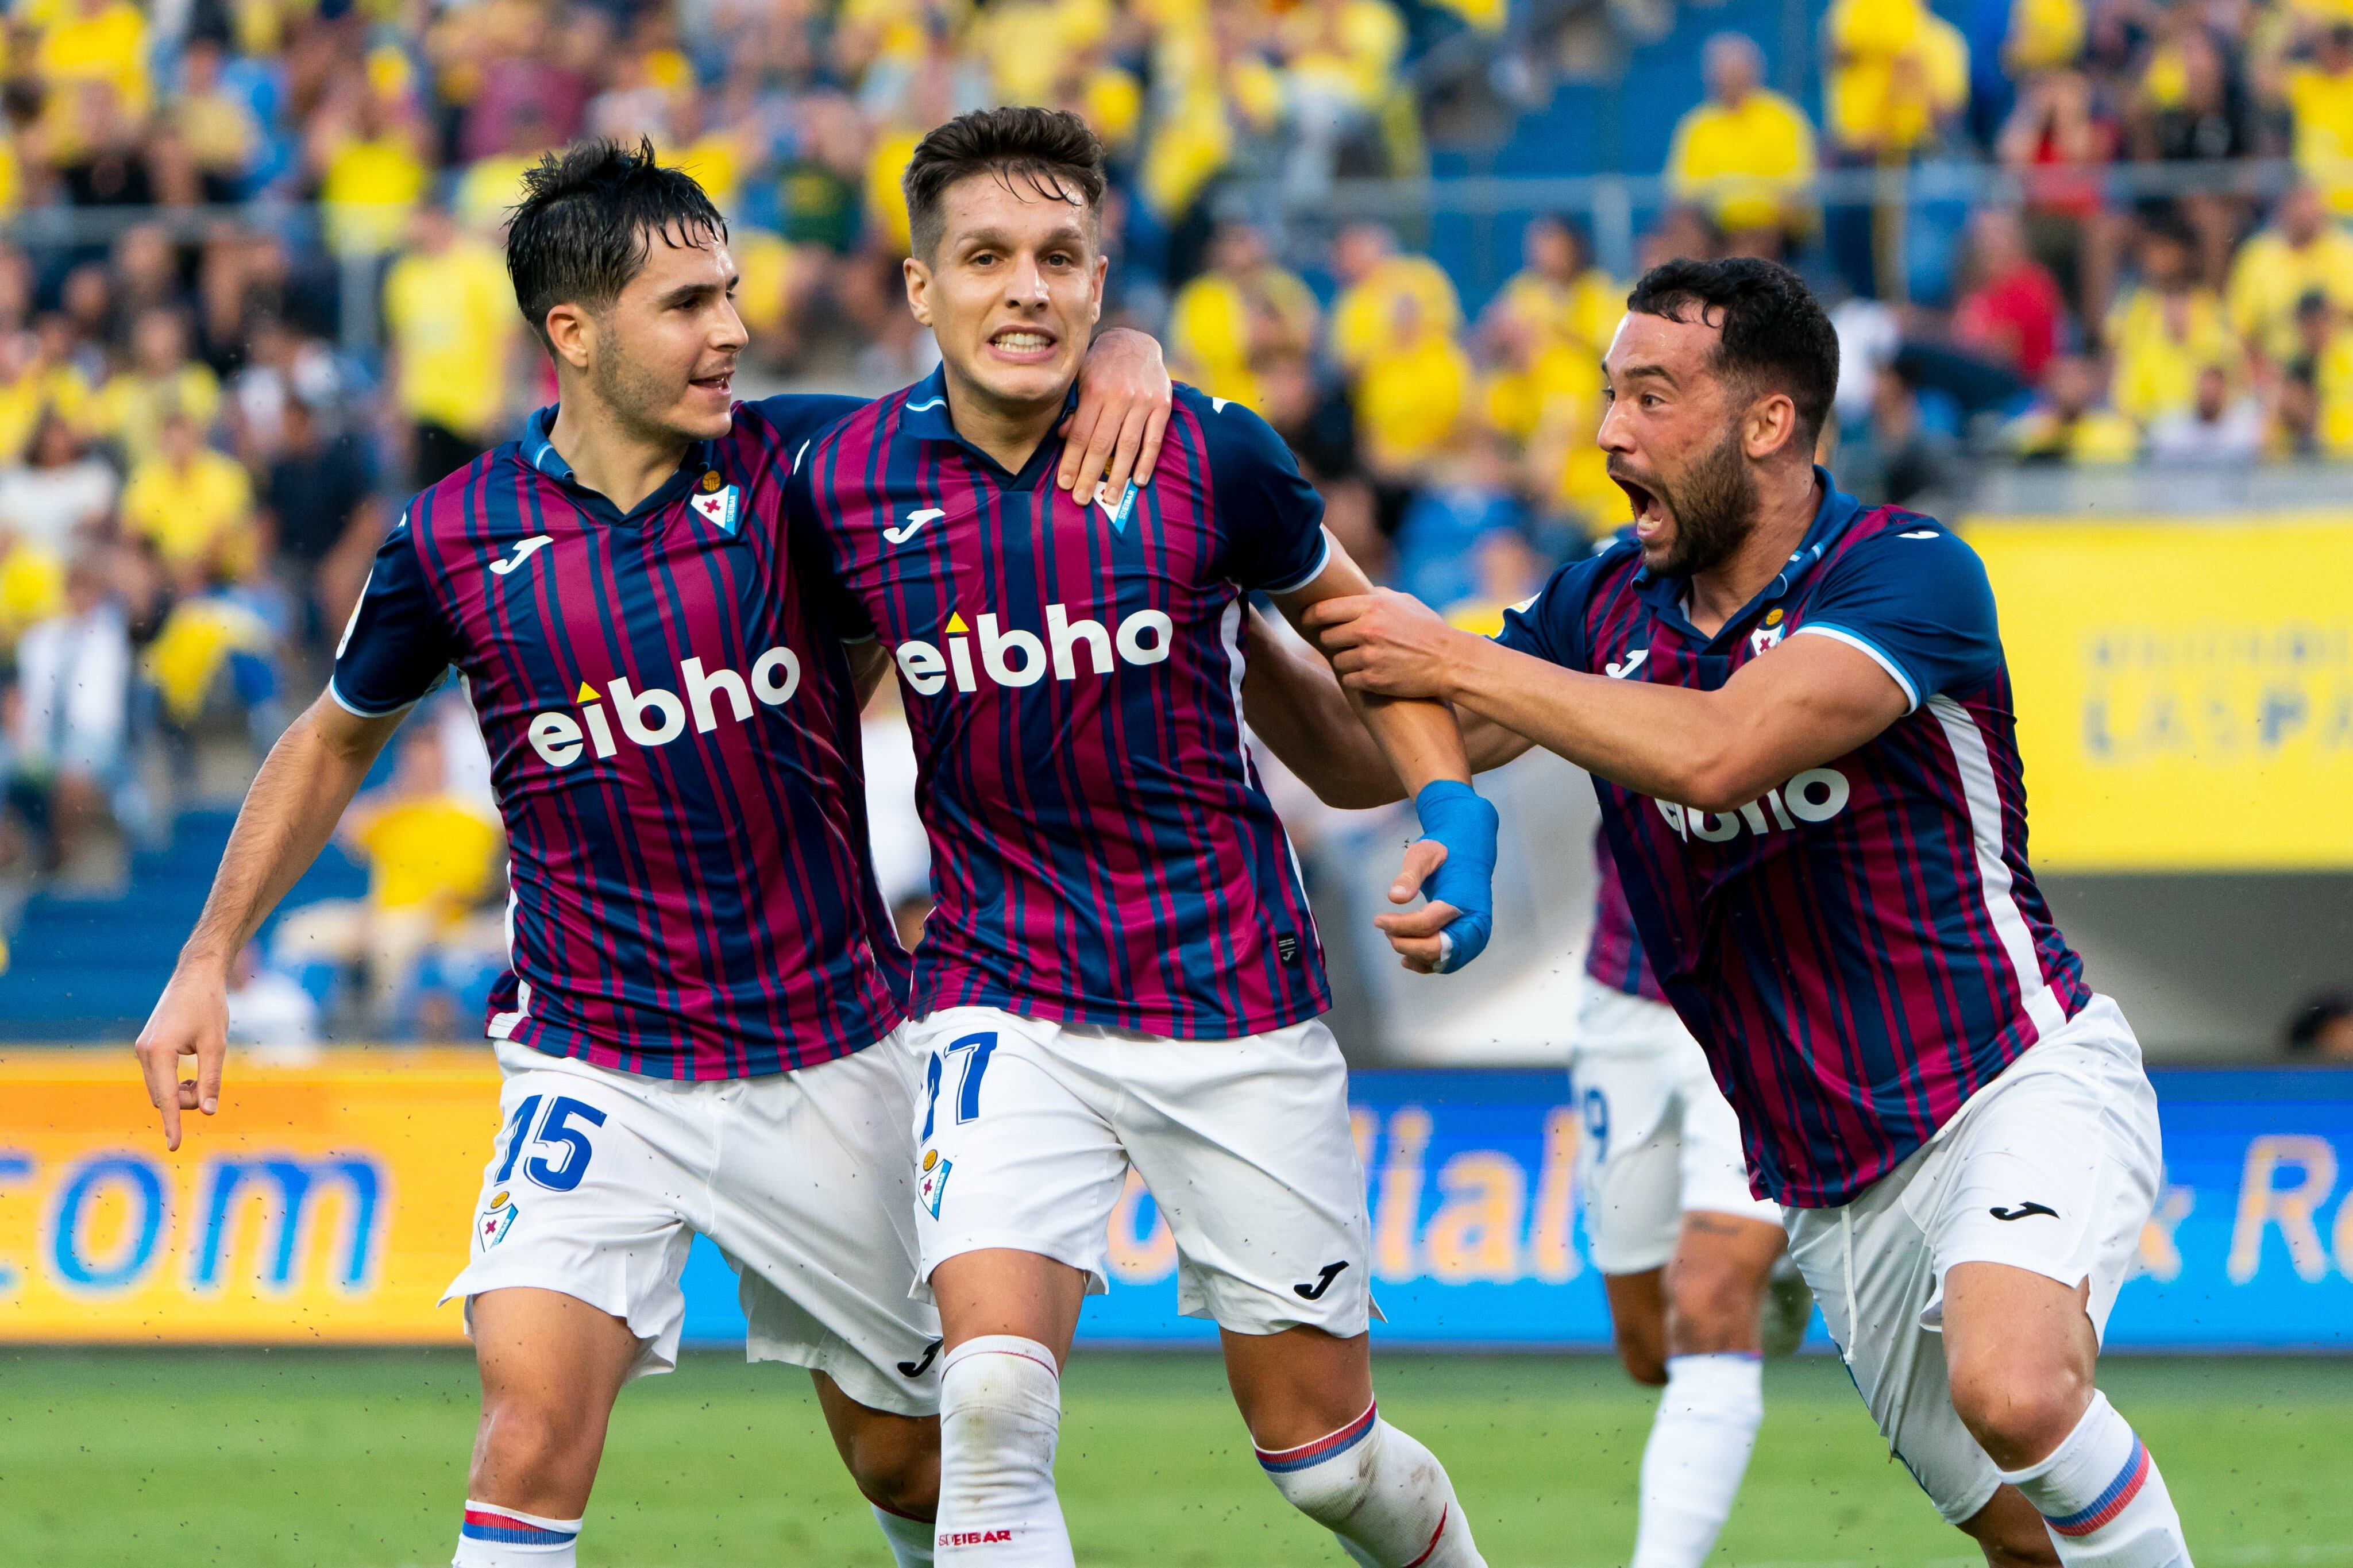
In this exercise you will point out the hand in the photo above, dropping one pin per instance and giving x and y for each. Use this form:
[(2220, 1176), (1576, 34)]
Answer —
[(1124, 397), (190, 1020), (1414, 933), (1386, 644)]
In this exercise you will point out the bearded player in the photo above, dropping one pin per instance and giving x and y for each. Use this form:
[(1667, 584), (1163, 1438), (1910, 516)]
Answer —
[(698, 1030), (1122, 972), (1797, 718)]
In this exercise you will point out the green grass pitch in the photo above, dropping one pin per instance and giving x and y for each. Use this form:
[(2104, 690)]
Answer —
[(357, 1461)]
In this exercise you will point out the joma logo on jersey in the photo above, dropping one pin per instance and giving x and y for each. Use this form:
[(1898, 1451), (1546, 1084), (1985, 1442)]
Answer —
[(655, 717), (1815, 795), (1023, 659)]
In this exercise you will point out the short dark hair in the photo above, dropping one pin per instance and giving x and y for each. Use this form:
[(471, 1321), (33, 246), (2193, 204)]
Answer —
[(1051, 150), (588, 221), (1775, 334)]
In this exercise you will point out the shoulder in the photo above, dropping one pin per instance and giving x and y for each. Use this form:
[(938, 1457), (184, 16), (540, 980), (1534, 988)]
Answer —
[(793, 417), (466, 501), (1904, 543), (1224, 430), (1576, 588)]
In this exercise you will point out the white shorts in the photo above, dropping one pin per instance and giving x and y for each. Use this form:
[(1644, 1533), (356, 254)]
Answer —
[(1026, 1131), (598, 1188), (2052, 1167), (1658, 1140)]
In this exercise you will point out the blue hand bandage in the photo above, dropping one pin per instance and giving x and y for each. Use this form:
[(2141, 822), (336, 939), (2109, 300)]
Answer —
[(1455, 815)]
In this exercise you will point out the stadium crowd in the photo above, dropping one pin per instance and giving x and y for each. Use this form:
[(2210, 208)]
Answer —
[(197, 453)]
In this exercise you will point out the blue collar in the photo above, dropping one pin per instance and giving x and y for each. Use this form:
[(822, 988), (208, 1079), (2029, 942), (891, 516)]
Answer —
[(1832, 518), (925, 417), (538, 449)]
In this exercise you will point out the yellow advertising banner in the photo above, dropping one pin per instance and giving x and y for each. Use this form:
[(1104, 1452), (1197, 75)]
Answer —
[(2184, 689), (325, 1203)]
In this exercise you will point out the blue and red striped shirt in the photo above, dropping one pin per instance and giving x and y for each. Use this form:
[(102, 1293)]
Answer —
[(674, 744), (1613, 953), (1102, 847), (1862, 947)]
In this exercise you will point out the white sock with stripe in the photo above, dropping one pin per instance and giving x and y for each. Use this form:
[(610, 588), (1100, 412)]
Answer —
[(1000, 1415), (910, 1539), (496, 1536), (1384, 1495), (1698, 1451), (2100, 1495)]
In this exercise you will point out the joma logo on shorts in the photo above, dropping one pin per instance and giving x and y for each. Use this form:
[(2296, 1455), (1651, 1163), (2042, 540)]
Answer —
[(1016, 658), (975, 1538), (655, 717), (1815, 795)]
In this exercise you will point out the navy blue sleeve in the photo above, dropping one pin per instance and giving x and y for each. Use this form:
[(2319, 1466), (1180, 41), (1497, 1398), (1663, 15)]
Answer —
[(395, 647), (1272, 517), (1917, 600), (796, 417), (1551, 626), (809, 548)]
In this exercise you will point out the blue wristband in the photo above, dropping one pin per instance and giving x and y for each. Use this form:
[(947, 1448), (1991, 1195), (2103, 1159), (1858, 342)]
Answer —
[(1457, 817)]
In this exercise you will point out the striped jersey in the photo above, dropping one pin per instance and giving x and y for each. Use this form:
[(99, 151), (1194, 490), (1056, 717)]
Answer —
[(1103, 850), (1862, 947), (1613, 953), (674, 744)]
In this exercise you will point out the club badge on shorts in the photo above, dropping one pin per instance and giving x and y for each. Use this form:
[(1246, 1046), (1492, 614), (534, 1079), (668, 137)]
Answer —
[(498, 1217), (934, 1180)]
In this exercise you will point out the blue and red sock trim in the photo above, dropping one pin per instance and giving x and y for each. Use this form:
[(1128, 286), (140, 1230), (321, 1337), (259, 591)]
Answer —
[(2114, 1500), (1284, 1462), (504, 1529)]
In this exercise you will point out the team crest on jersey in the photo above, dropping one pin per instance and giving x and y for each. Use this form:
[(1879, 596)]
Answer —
[(1769, 634), (717, 505), (1118, 514), (934, 1181), (497, 1218)]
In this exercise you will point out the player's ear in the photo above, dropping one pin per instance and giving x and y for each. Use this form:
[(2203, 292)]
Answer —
[(1772, 424), (572, 334), (918, 288), (1102, 270)]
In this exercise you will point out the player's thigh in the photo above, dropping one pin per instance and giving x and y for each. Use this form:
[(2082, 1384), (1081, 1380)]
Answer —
[(1248, 1152), (587, 1192), (1014, 1150), (812, 1203), (549, 1355), (1298, 1384), (1873, 1271), (1628, 1163)]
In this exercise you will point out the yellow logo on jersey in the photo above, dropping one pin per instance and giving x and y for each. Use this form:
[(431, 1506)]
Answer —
[(711, 479)]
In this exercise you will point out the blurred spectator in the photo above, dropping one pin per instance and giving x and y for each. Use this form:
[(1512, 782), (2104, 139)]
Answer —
[(1238, 313), (367, 154), (1467, 498), (130, 409), (193, 504), (1897, 73), (2013, 313), (73, 684), (1341, 57), (269, 1013), (1896, 459), (2070, 422), (433, 859), (2321, 1030), (2302, 252), (2216, 429), (214, 137), (1746, 153), (1317, 424), (319, 503), (1559, 292), (1375, 277), (59, 493), (2165, 330), (2311, 410), (2320, 100), (451, 315), (2192, 107), (1412, 390)]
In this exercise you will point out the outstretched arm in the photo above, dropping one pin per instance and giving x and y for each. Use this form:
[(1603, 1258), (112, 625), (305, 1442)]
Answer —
[(308, 779)]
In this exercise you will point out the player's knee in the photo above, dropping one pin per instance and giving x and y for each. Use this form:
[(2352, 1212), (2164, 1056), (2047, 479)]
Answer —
[(1328, 1493), (1712, 1308), (535, 1443), (1642, 1352), (896, 1465), (2017, 1408)]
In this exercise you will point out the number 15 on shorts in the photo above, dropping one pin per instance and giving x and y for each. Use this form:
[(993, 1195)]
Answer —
[(971, 1065)]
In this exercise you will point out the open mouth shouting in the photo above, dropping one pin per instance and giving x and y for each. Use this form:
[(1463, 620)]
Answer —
[(1027, 342), (1651, 513)]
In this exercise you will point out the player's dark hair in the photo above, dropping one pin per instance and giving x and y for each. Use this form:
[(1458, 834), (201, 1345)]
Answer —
[(1049, 150), (1776, 336), (588, 219)]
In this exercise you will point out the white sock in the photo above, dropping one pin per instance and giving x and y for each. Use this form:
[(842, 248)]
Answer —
[(1001, 1412), (496, 1536), (1697, 1453), (2100, 1495), (1383, 1494), (910, 1540)]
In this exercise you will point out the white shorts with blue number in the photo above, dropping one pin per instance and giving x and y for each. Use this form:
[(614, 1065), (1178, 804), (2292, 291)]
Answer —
[(598, 1181), (1657, 1138), (1025, 1131)]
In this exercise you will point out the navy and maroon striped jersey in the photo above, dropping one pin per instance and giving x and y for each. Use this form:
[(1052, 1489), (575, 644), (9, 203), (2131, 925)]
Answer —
[(1102, 847), (674, 744), (1862, 947), (1613, 953)]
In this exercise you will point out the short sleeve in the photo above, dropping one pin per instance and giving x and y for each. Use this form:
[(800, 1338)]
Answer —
[(1551, 626), (796, 417), (809, 545), (1917, 600), (1272, 518), (395, 648)]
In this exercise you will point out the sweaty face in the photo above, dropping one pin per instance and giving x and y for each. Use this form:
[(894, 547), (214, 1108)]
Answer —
[(665, 356), (1673, 435), (1013, 291)]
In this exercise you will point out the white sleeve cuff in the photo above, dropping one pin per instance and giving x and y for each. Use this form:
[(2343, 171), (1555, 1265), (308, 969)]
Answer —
[(1877, 654), (1323, 559), (356, 711)]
